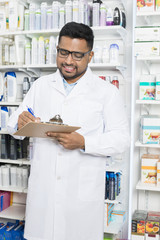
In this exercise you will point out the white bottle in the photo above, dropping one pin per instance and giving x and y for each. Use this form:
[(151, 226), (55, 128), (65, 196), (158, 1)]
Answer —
[(97, 54), (32, 16), (26, 20), (11, 87), (34, 54), (41, 51), (5, 176), (47, 51), (103, 14), (2, 19), (6, 51), (13, 15), (81, 12), (24, 177), (19, 177), (1, 51), (52, 50), (13, 173), (12, 54), (68, 10), (55, 17), (20, 51), (38, 19), (105, 54), (61, 16), (96, 15), (1, 86), (109, 20), (20, 17), (114, 53), (44, 15), (76, 11), (28, 52), (4, 118), (49, 18)]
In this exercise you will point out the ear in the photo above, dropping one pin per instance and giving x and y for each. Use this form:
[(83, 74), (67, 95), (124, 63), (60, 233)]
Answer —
[(91, 55)]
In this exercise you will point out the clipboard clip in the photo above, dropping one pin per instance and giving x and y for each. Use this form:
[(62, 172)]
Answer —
[(56, 119)]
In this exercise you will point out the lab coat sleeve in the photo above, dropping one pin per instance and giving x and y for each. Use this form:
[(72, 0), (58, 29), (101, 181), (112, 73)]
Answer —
[(115, 138)]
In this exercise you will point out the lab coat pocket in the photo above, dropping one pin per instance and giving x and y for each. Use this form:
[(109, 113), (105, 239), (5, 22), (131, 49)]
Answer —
[(91, 184)]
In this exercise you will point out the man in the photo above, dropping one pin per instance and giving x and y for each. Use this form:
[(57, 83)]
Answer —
[(67, 181)]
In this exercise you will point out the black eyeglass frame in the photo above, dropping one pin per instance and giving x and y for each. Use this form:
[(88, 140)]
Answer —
[(72, 52)]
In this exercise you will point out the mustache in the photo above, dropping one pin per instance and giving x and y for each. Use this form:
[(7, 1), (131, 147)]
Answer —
[(68, 65)]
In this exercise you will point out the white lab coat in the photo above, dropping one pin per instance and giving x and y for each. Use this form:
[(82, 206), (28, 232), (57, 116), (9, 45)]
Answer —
[(65, 198)]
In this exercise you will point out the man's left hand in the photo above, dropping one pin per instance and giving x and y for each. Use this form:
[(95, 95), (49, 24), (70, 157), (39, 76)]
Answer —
[(69, 140)]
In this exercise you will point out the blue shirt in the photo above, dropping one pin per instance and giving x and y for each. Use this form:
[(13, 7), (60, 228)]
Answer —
[(68, 87)]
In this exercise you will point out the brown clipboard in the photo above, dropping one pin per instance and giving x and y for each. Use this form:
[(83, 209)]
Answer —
[(39, 130)]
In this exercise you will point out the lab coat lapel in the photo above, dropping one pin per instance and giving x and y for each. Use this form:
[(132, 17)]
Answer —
[(57, 82)]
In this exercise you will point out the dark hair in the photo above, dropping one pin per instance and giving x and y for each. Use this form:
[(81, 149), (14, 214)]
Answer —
[(77, 30)]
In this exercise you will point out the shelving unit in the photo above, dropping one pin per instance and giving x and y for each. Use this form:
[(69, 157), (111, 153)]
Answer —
[(114, 228), (139, 144), (147, 187), (18, 161), (147, 102), (14, 212)]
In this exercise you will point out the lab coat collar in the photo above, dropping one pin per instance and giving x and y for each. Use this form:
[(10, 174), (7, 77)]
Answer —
[(81, 87)]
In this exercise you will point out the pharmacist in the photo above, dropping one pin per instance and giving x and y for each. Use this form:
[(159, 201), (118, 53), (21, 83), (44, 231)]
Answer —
[(65, 198)]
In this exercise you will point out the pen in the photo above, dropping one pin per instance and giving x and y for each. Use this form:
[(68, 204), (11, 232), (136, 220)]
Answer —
[(30, 111)]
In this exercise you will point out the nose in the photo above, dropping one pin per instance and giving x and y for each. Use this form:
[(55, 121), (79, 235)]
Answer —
[(69, 59)]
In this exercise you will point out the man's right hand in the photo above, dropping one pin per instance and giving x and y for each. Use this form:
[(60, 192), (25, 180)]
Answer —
[(26, 117)]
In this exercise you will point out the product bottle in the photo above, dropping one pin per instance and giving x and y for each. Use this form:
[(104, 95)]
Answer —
[(96, 13), (103, 15), (68, 10), (115, 81), (19, 177), (114, 53), (55, 18), (38, 19), (34, 51), (44, 15), (5, 146), (105, 54), (61, 16), (20, 49), (13, 148), (24, 177), (11, 86), (26, 20), (19, 149), (75, 11), (6, 51), (49, 18), (7, 15), (13, 172), (32, 80), (52, 50), (116, 16), (13, 15), (28, 52), (20, 16), (26, 86), (109, 20), (107, 186), (4, 118), (32, 16), (111, 186), (12, 55), (41, 51), (97, 54), (47, 51), (81, 11)]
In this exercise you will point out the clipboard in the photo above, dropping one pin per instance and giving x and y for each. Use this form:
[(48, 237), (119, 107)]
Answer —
[(33, 129)]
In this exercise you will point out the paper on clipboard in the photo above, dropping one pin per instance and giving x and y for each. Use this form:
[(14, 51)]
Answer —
[(39, 130)]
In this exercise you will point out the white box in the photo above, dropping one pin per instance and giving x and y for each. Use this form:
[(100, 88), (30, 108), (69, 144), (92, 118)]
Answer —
[(147, 49), (149, 168), (136, 236), (147, 34), (145, 5), (151, 236), (150, 129)]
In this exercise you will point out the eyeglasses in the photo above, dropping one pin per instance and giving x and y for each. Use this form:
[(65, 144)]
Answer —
[(63, 53)]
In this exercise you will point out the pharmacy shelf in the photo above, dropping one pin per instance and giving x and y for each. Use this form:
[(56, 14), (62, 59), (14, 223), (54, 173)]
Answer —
[(141, 14), (3, 132), (12, 189), (139, 144), (114, 31), (113, 228), (15, 212), (18, 161), (147, 187), (147, 102), (10, 103), (116, 201), (147, 58)]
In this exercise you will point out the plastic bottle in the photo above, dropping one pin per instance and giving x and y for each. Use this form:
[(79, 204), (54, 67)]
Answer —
[(13, 148), (81, 13), (1, 86), (41, 51), (26, 86), (11, 86), (26, 20), (32, 16), (38, 19), (44, 15), (13, 15), (19, 177), (52, 50), (28, 52), (76, 11), (13, 172), (7, 14), (96, 13), (32, 80), (105, 54), (20, 16), (5, 176), (69, 11), (55, 18), (20, 49), (4, 144), (4, 118), (61, 16), (3, 18), (107, 186), (116, 16), (6, 51), (111, 186), (97, 54), (115, 81), (47, 51), (49, 18), (34, 54), (103, 14), (109, 20), (12, 55), (114, 53), (24, 176)]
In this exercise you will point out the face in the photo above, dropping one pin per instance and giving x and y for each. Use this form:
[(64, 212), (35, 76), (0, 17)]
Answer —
[(72, 69)]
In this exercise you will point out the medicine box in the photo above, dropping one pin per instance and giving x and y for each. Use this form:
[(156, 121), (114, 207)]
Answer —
[(138, 221), (157, 5), (107, 215), (158, 173), (158, 87), (147, 49), (152, 225), (149, 168), (150, 129), (145, 5), (143, 34)]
